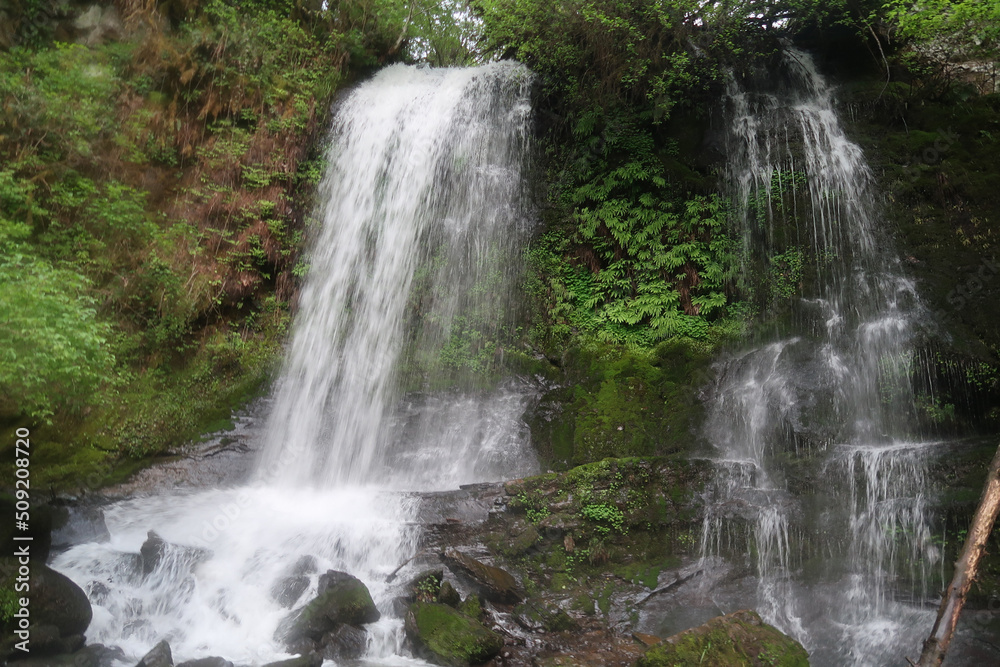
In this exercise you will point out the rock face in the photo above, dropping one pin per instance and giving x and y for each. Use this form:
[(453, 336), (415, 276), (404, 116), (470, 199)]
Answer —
[(445, 636), (494, 584), (733, 640)]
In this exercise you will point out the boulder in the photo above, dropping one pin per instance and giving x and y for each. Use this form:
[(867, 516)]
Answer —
[(158, 656), (446, 636), (342, 600), (55, 600), (493, 583), (733, 640)]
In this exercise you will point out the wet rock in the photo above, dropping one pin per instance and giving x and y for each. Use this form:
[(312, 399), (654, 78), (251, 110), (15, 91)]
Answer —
[(78, 525), (55, 600), (646, 640), (524, 540), (448, 595), (493, 583), (446, 636), (213, 661), (556, 526), (347, 642), (95, 655), (736, 639), (342, 599), (311, 660), (290, 588), (537, 616), (155, 549), (98, 655), (98, 24), (39, 530), (158, 656)]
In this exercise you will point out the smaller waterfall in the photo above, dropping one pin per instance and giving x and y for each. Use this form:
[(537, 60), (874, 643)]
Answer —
[(832, 385)]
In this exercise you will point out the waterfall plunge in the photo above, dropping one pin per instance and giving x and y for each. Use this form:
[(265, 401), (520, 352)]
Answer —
[(423, 218)]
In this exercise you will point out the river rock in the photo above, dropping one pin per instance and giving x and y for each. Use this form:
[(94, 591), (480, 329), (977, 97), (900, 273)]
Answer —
[(78, 525), (95, 655), (213, 661), (342, 600), (493, 583), (733, 640), (155, 549), (446, 636), (310, 660), (158, 656), (55, 600), (290, 587), (347, 642)]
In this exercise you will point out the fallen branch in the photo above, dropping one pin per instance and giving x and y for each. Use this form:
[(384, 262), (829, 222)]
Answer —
[(965, 570)]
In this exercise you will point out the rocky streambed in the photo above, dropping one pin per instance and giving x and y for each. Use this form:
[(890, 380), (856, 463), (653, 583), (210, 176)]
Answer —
[(595, 566)]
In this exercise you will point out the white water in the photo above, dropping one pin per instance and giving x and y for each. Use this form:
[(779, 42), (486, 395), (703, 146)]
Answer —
[(833, 382), (422, 224)]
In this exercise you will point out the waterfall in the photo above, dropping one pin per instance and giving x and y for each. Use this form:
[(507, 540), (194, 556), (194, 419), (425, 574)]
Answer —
[(425, 176), (830, 382), (423, 218)]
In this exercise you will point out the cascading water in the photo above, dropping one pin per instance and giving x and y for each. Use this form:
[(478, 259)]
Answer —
[(832, 384), (422, 226)]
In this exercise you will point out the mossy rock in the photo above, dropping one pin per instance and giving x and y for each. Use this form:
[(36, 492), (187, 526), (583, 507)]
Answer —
[(342, 599), (446, 636), (734, 640), (494, 584)]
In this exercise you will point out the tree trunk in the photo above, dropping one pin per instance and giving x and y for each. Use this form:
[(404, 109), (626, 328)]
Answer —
[(965, 570)]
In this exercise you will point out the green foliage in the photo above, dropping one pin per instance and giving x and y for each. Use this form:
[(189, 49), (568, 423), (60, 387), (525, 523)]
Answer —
[(55, 353), (608, 517), (642, 262), (786, 273), (956, 29)]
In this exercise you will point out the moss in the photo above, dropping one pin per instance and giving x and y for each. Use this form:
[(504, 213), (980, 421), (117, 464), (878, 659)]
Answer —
[(622, 402), (471, 606), (449, 637), (735, 640)]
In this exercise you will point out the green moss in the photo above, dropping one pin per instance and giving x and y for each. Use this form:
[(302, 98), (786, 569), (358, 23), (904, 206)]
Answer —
[(735, 640), (450, 637)]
